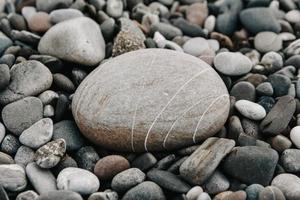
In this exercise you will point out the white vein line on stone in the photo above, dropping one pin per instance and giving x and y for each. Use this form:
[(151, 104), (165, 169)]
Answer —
[(200, 120), (187, 110), (137, 103), (168, 103)]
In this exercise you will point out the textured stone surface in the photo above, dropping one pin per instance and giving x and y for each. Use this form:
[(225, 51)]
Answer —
[(77, 40), (28, 78), (146, 100), (194, 169)]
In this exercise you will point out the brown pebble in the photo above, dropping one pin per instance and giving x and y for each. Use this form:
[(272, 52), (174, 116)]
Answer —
[(39, 22), (197, 13), (239, 195), (109, 166)]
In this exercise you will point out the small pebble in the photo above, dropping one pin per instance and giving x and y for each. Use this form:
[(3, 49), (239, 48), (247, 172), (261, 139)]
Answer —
[(250, 110)]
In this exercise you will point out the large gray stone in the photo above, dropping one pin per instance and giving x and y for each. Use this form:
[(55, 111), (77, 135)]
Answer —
[(147, 101), (28, 78), (289, 184), (194, 169), (76, 40)]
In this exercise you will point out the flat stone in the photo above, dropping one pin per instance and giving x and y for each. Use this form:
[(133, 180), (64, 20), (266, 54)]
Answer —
[(145, 129), (259, 19), (50, 154), (290, 160), (60, 15), (42, 180), (12, 177), (251, 164), (232, 64), (289, 184), (77, 180), (168, 180), (147, 190), (250, 110), (267, 41), (76, 40), (109, 166), (127, 179), (279, 116), (61, 195), (68, 131), (20, 115), (294, 135), (28, 78), (194, 169), (38, 134)]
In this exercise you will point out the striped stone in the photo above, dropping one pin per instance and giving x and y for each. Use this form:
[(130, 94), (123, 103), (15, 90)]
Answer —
[(151, 100)]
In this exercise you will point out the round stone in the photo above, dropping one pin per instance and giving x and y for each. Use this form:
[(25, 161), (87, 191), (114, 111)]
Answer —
[(232, 64), (295, 136), (28, 78), (164, 105), (127, 179), (21, 114), (106, 168), (76, 40), (77, 180), (196, 46), (250, 110), (267, 41), (271, 193)]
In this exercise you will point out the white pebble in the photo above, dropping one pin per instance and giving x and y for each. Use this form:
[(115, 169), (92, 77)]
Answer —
[(295, 136), (250, 110)]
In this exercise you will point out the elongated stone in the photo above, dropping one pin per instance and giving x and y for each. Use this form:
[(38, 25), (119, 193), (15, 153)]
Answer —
[(195, 168)]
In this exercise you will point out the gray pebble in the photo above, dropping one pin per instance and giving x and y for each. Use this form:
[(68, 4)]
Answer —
[(61, 195), (48, 97), (42, 180), (10, 144), (86, 158), (290, 160), (114, 8), (24, 156), (48, 111), (144, 161), (250, 110), (4, 76), (63, 83), (217, 183), (289, 184), (47, 6), (2, 132), (21, 114), (167, 30), (106, 195), (38, 134), (5, 42), (253, 191), (68, 131), (127, 179), (13, 177), (6, 159), (60, 15), (267, 41), (27, 195), (265, 89)]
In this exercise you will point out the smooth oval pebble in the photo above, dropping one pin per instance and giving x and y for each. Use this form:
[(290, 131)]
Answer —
[(77, 180), (250, 110), (267, 41), (28, 78), (194, 192), (77, 40), (127, 179), (295, 136), (232, 64), (271, 193), (60, 15), (106, 168), (158, 97)]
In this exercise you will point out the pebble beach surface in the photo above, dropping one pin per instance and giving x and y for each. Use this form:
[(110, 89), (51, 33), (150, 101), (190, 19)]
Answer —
[(149, 100)]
